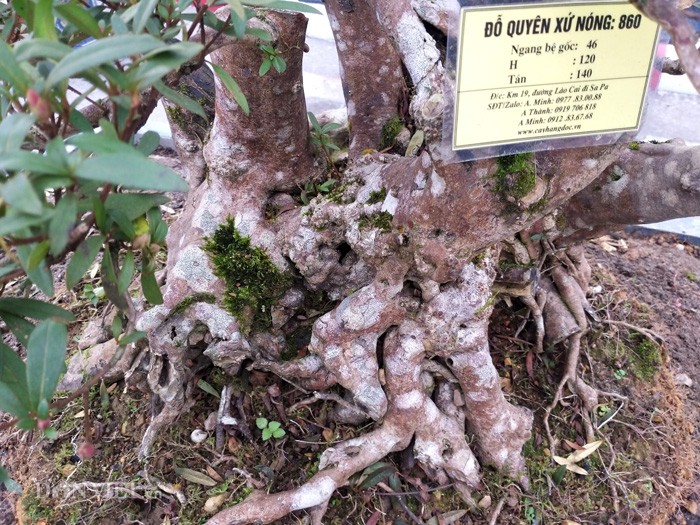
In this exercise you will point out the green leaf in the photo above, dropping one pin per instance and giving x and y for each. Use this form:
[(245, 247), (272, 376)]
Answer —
[(208, 388), (42, 411), (131, 338), (46, 354), (180, 100), (148, 143), (133, 205), (15, 222), (19, 193), (80, 121), (314, 121), (98, 208), (131, 171), (126, 273), (331, 126), (278, 433), (75, 14), (13, 130), (9, 483), (19, 326), (150, 287), (260, 34), (279, 64), (265, 67), (232, 86), (102, 51), (283, 4), (38, 254), (14, 396), (62, 223), (33, 309), (27, 423), (43, 20), (123, 222), (144, 11), (266, 434), (33, 48), (558, 475), (109, 282), (261, 423), (39, 275), (26, 161), (51, 434), (10, 70), (375, 473), (101, 143), (274, 425), (82, 259)]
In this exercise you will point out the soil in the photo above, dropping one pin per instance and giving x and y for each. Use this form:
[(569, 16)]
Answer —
[(644, 290)]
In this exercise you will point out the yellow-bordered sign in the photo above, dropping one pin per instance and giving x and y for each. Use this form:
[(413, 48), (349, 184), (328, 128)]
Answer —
[(537, 71)]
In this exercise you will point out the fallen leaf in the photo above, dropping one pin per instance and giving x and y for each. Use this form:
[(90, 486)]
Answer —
[(195, 477), (529, 364), (573, 445), (214, 474)]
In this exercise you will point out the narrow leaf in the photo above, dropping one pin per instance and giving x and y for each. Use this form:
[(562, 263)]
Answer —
[(148, 143), (62, 223), (208, 388), (131, 338), (195, 477), (10, 70), (19, 326), (102, 51), (232, 86), (283, 4), (46, 354), (14, 397), (131, 171), (588, 449), (144, 11), (33, 309), (126, 273), (265, 67), (82, 259), (181, 100), (150, 287), (39, 275), (134, 205), (13, 130), (19, 193), (43, 20), (73, 13)]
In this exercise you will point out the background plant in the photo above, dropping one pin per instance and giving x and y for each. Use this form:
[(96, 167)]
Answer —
[(77, 184)]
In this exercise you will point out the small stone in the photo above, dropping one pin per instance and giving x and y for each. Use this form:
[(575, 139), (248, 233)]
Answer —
[(198, 435), (684, 379), (229, 421), (485, 502), (680, 247)]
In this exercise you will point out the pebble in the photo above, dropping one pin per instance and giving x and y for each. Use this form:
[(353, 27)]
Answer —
[(684, 379)]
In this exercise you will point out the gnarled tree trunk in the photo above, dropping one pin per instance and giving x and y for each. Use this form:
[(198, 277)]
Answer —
[(407, 249)]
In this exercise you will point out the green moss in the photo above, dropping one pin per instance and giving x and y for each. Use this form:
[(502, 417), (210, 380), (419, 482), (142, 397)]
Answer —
[(693, 278), (192, 299), (390, 130), (515, 177), (377, 196), (634, 146), (253, 282), (381, 220), (645, 357)]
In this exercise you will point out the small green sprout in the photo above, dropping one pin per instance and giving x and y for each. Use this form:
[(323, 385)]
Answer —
[(270, 429), (619, 374), (272, 59)]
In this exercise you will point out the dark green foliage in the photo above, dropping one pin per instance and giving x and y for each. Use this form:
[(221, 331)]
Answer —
[(253, 282)]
